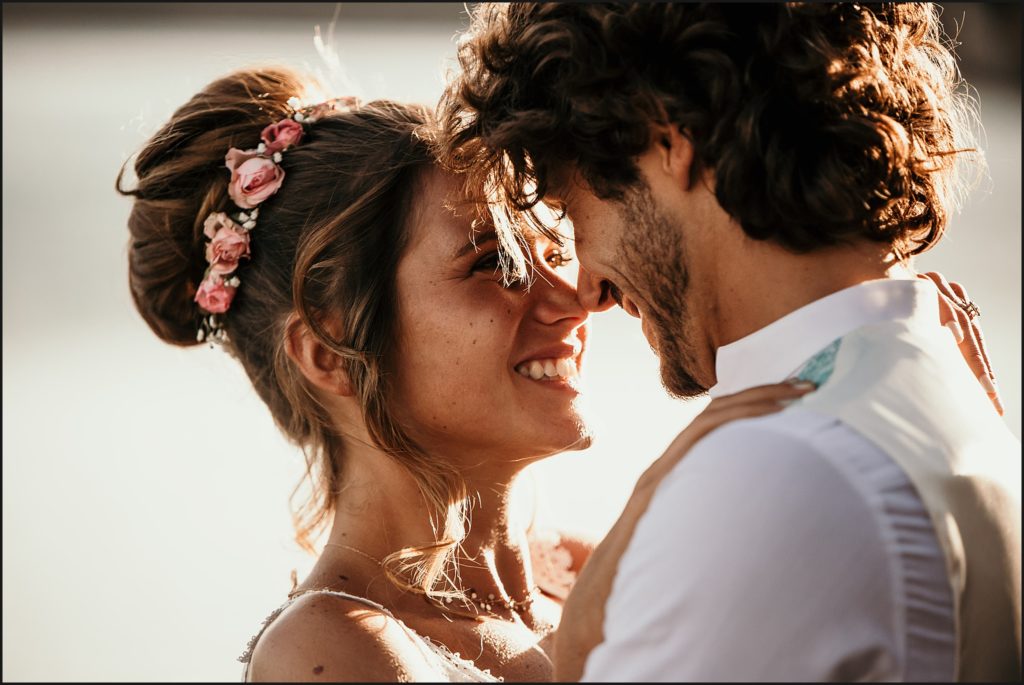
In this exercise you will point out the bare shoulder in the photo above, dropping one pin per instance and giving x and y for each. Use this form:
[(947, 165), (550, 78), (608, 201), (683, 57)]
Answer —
[(323, 637)]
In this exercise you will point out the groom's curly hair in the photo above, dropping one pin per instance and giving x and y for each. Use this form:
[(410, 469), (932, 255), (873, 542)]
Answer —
[(820, 123)]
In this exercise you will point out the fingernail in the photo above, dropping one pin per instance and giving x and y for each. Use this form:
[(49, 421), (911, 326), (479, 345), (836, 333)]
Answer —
[(802, 385), (988, 384), (999, 405), (954, 327)]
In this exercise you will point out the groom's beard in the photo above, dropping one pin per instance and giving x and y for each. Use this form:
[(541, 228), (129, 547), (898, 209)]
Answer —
[(652, 249)]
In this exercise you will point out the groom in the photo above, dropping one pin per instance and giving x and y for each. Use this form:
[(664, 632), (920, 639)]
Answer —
[(750, 182)]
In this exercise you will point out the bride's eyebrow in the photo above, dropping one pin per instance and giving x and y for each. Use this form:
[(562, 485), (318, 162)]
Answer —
[(474, 241)]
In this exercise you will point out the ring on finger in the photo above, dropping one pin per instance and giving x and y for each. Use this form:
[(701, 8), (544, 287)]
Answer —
[(971, 310)]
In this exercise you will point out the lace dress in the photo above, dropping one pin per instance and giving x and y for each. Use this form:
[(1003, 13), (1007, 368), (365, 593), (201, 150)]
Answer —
[(552, 573)]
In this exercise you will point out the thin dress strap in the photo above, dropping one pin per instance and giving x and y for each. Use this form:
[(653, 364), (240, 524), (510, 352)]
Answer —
[(454, 667)]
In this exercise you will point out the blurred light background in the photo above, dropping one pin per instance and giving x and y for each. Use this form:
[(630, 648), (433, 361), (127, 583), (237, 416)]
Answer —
[(144, 540)]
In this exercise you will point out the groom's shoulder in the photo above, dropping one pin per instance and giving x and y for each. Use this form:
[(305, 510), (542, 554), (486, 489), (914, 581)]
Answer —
[(785, 481), (805, 456), (796, 430), (767, 523)]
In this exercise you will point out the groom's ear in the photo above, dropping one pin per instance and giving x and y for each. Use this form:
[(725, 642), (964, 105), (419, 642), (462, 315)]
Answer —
[(675, 152), (321, 366)]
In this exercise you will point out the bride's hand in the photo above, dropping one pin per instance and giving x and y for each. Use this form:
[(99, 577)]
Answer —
[(960, 315), (582, 625)]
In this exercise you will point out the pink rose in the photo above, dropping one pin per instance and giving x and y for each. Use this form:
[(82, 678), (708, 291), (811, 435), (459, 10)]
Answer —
[(214, 295), (282, 135), (229, 243), (253, 178)]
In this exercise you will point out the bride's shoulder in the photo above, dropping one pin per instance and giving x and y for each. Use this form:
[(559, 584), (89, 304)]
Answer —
[(557, 558), (326, 636)]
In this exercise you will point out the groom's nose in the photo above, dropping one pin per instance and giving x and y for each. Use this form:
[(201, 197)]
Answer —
[(594, 293)]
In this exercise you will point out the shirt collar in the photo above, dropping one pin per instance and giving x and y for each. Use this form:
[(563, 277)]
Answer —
[(775, 352)]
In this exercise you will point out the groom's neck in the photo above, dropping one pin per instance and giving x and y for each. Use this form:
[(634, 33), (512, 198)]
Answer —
[(762, 282)]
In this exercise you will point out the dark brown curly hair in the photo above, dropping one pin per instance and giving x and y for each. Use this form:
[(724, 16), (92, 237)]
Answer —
[(821, 123)]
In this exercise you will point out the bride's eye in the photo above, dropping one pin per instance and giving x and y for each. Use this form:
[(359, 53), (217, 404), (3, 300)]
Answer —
[(488, 264), (559, 257)]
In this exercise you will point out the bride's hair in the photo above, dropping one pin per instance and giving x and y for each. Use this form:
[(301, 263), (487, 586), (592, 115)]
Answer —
[(326, 245)]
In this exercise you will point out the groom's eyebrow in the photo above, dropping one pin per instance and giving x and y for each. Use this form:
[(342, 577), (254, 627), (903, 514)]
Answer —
[(474, 241)]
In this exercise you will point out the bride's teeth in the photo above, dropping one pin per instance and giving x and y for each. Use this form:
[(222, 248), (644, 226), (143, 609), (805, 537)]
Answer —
[(548, 369), (536, 370)]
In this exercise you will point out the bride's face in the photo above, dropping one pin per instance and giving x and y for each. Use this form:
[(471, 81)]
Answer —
[(467, 344)]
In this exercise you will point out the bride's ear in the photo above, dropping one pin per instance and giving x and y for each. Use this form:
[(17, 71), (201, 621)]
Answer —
[(321, 366)]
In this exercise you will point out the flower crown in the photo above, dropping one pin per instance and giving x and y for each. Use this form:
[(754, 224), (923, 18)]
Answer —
[(255, 176)]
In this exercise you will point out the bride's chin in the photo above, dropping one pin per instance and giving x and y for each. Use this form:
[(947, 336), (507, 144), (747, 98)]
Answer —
[(581, 443), (580, 439)]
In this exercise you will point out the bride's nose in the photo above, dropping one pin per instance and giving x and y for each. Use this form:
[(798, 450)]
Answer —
[(557, 301)]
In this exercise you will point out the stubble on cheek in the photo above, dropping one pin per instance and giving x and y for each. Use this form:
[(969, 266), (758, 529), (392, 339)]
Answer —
[(653, 252)]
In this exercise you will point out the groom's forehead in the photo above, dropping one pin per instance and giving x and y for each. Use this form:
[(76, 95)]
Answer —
[(560, 181), (576, 200)]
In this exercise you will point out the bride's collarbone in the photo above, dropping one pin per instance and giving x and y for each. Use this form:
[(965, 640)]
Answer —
[(516, 648), (509, 648)]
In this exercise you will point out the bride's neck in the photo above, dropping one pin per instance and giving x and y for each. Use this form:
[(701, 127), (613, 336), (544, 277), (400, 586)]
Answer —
[(380, 509)]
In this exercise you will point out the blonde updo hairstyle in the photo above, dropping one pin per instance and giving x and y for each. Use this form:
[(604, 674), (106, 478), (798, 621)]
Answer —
[(326, 245)]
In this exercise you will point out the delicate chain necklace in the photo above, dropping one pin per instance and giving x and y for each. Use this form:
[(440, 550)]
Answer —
[(472, 597), (357, 551)]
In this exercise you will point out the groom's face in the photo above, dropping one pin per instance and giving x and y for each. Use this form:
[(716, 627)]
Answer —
[(632, 253)]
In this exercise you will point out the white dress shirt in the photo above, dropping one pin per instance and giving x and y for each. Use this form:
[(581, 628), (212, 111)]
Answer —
[(785, 547)]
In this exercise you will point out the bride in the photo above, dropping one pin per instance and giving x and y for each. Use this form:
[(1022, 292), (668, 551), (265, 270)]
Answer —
[(418, 363)]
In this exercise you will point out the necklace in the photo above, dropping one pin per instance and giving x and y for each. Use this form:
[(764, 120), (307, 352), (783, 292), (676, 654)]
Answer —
[(467, 596), (357, 551)]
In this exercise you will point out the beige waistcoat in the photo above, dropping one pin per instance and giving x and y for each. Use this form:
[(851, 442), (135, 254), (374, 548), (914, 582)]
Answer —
[(904, 386)]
